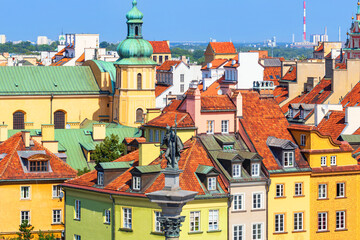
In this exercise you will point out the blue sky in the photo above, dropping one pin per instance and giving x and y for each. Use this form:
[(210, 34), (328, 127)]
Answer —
[(184, 20)]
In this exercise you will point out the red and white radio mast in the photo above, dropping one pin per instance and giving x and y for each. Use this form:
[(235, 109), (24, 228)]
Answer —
[(304, 21)]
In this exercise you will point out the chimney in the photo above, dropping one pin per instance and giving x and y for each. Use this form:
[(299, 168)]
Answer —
[(48, 138), (193, 105), (209, 65), (26, 138), (3, 133), (148, 152), (352, 120), (99, 131)]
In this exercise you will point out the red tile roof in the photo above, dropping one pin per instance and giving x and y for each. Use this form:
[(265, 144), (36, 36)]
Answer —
[(333, 125), (139, 140), (81, 58), (166, 66), (290, 75), (223, 47), (60, 53), (336, 169), (231, 64), (192, 156), (341, 66), (281, 94), (272, 74), (61, 62), (12, 169), (159, 89), (173, 106), (215, 64), (262, 118), (320, 49), (213, 89), (168, 119), (160, 47), (217, 103), (353, 97)]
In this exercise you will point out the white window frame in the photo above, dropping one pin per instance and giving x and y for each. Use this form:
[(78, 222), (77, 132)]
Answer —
[(290, 114), (224, 126), (100, 178), (157, 224), (77, 237), (210, 126), (255, 227), (340, 220), (77, 210), (56, 216), (136, 180), (288, 159), (239, 202), (279, 190), (258, 199), (322, 226), (342, 190), (56, 191), (182, 78), (298, 189), (213, 220), (211, 183), (107, 216), (322, 191), (255, 169), (236, 170), (280, 221), (299, 221), (238, 230), (151, 135), (302, 140), (127, 218), (323, 161), (195, 217), (333, 160), (22, 192), (22, 216)]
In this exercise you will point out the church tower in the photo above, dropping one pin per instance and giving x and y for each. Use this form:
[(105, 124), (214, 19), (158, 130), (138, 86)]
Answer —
[(135, 74), (352, 46)]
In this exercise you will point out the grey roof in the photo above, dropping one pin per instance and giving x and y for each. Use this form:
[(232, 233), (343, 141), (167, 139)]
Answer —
[(271, 62), (115, 165), (351, 138), (280, 143), (307, 106), (27, 154)]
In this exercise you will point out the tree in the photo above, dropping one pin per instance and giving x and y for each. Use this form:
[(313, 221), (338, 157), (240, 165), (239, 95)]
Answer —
[(108, 150), (83, 171), (43, 236), (25, 231)]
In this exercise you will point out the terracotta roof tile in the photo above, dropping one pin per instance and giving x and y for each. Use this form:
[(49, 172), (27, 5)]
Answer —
[(173, 106), (217, 103), (166, 66), (139, 140), (159, 89), (215, 64), (272, 74), (160, 47), (333, 125), (168, 119), (336, 169), (61, 62), (81, 58), (232, 64), (223, 47), (12, 169), (340, 66), (291, 74), (281, 94), (320, 49), (213, 89), (353, 97)]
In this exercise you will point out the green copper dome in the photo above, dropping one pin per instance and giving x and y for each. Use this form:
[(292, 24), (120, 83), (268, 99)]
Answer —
[(134, 48), (134, 15)]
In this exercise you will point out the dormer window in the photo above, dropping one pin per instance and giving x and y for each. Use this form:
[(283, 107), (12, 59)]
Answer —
[(228, 147), (136, 183), (255, 170), (302, 114), (290, 113), (39, 166), (100, 179), (236, 170), (288, 159), (211, 183)]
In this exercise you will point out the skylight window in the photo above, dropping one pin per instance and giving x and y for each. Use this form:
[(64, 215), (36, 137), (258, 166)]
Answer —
[(271, 77)]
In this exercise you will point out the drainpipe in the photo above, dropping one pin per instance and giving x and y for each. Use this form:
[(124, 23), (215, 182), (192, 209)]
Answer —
[(51, 102), (112, 218), (229, 209), (268, 182)]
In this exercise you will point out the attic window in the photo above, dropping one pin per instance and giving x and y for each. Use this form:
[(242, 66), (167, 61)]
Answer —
[(288, 159), (290, 113), (100, 179), (211, 183), (277, 76), (236, 170), (39, 166), (228, 147), (271, 77), (136, 183)]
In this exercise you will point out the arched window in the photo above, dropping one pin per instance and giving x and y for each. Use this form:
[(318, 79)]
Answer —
[(139, 81), (139, 115), (136, 31), (59, 120), (18, 120)]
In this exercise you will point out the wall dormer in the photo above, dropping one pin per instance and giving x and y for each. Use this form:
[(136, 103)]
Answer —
[(109, 171), (283, 150), (35, 161), (208, 177), (143, 177)]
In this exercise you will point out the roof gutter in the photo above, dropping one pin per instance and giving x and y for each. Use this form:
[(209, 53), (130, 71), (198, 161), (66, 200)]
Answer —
[(35, 180)]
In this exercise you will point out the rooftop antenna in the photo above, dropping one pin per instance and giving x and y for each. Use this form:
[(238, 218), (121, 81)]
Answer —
[(304, 21)]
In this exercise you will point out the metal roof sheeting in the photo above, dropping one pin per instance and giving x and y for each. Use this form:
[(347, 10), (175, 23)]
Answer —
[(116, 165), (149, 168)]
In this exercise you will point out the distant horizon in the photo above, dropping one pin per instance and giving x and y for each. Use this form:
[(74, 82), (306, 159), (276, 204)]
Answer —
[(238, 21)]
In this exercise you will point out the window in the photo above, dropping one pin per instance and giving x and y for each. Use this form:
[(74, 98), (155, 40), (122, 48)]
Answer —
[(302, 114), (322, 221), (239, 202), (225, 126), (25, 216), (59, 120), (323, 161), (139, 81), (288, 159), (151, 133), (302, 140), (298, 189), (166, 58), (127, 218), (236, 170), (136, 31), (107, 215), (228, 147), (56, 217), (322, 191), (257, 231), (210, 127), (290, 113), (162, 135), (182, 78), (213, 220), (38, 166), (279, 190), (298, 221), (155, 58), (333, 160), (279, 223), (100, 178), (156, 135), (25, 193), (211, 183), (255, 170), (56, 191), (340, 190), (77, 237), (182, 88), (238, 232), (136, 183), (195, 221), (18, 120), (160, 59), (257, 200), (157, 222), (77, 209), (340, 220)]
